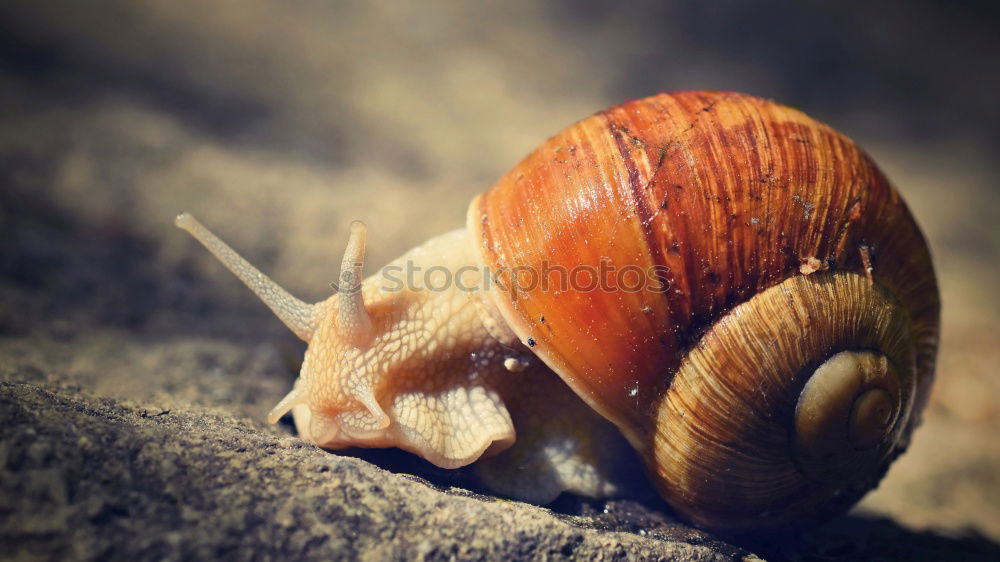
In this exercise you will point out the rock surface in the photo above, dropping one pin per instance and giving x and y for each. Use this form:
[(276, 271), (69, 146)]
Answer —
[(97, 479)]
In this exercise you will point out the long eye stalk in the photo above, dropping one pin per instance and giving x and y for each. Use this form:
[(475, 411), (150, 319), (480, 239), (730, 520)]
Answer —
[(299, 316)]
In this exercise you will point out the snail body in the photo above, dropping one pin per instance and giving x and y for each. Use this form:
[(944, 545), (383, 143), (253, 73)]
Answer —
[(768, 365)]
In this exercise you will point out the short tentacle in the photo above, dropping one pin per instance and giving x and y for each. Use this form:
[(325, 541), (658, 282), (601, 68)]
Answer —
[(354, 322), (292, 399)]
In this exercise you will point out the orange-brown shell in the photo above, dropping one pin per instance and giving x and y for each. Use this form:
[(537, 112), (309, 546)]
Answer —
[(729, 195)]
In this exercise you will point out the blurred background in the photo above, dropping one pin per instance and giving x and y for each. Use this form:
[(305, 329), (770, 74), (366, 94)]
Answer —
[(279, 122)]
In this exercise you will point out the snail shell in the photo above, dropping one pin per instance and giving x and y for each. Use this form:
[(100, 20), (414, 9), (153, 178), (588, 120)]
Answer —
[(762, 392), (776, 367)]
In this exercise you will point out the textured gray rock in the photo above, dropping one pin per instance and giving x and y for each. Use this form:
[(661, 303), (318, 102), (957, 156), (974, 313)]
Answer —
[(94, 478)]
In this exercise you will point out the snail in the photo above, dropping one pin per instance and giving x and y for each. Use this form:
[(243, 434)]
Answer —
[(717, 282)]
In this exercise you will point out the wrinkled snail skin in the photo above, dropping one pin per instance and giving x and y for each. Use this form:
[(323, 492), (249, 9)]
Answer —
[(776, 367)]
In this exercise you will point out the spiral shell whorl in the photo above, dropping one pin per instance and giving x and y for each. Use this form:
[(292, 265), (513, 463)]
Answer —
[(749, 436), (847, 407)]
